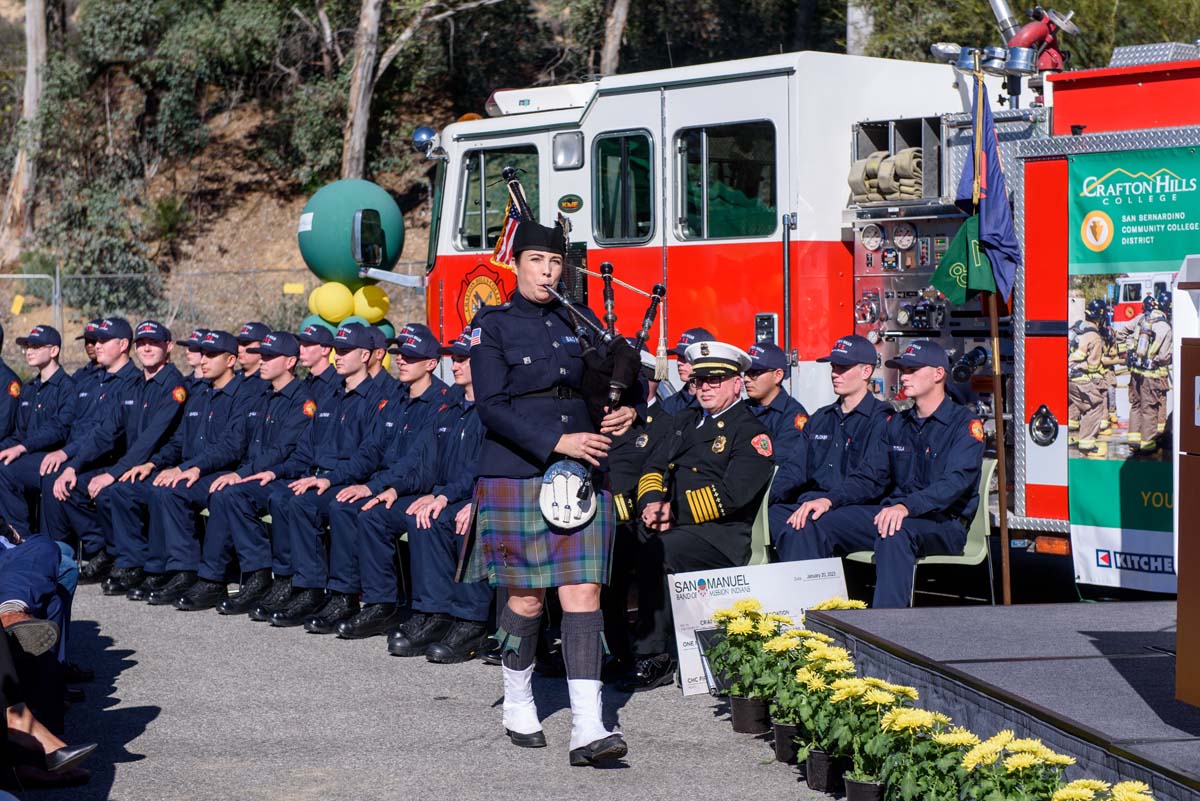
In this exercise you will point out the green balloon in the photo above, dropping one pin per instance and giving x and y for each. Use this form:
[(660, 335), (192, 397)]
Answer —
[(326, 223), (316, 319), (354, 319), (387, 328)]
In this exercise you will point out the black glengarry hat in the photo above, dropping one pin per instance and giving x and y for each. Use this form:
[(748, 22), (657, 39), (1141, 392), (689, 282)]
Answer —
[(532, 236)]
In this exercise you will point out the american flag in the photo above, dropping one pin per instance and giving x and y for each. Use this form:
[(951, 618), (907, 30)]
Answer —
[(502, 256)]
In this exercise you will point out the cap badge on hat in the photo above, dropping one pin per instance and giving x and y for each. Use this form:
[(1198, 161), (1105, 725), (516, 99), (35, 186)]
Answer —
[(147, 328), (841, 346), (245, 330), (309, 329), (704, 349), (910, 350), (755, 350)]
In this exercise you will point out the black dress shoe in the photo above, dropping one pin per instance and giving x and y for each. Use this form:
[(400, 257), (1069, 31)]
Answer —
[(405, 629), (303, 603), (254, 589), (535, 740), (337, 608), (603, 750), (121, 580), (174, 589), (650, 672), (97, 568), (204, 594), (152, 582), (490, 653), (275, 600), (461, 643), (68, 756), (371, 620), (413, 643)]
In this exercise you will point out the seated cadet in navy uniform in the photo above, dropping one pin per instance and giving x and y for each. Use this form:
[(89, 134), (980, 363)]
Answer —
[(835, 440), (43, 425), (423, 494), (926, 470), (10, 396), (249, 337), (273, 429), (194, 381), (402, 421), (132, 423), (322, 381), (528, 369), (783, 415), (626, 460), (699, 495), (324, 460), (211, 438), (391, 389), (88, 376), (685, 398)]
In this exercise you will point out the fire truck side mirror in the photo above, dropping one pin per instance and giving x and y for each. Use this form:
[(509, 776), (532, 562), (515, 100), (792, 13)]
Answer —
[(367, 238)]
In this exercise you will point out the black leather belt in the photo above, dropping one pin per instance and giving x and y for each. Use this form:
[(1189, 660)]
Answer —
[(561, 393)]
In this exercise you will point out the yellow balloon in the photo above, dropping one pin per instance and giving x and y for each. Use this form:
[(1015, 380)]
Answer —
[(312, 300), (371, 303), (387, 362), (334, 302)]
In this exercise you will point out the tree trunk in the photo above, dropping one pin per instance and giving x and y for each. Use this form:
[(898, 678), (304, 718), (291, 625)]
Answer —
[(614, 32), (17, 217), (362, 85)]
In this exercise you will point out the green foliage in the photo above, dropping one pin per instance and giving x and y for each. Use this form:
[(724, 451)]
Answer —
[(303, 140), (167, 218)]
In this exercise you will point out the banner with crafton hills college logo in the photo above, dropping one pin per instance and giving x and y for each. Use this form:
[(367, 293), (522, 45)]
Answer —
[(1134, 215)]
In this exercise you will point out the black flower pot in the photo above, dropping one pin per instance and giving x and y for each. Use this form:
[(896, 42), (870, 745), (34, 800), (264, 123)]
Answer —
[(863, 791), (749, 715), (785, 742), (823, 772)]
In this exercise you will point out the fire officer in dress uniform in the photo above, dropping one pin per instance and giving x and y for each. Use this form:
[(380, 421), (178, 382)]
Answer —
[(1148, 344), (273, 429), (111, 446), (783, 415), (10, 396), (43, 425), (835, 440), (685, 398), (322, 381), (699, 495), (926, 469), (403, 420), (428, 495), (193, 379), (528, 371), (1088, 391), (307, 483)]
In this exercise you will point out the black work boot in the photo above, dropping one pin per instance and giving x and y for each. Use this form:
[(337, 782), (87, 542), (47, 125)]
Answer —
[(461, 643), (204, 594), (174, 589), (412, 641), (97, 568), (278, 598), (337, 608), (371, 620), (121, 580), (151, 582), (304, 603), (255, 587)]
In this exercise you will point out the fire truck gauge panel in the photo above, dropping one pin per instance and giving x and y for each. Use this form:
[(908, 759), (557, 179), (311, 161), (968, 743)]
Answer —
[(866, 309), (904, 236), (872, 237)]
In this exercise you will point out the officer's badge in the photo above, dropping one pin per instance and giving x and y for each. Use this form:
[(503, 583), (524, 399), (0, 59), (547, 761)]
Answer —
[(762, 444), (718, 445), (382, 403), (977, 430), (704, 350), (14, 389), (310, 408), (642, 440), (800, 422), (179, 394)]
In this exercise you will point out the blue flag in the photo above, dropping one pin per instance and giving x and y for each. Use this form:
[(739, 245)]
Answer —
[(997, 237)]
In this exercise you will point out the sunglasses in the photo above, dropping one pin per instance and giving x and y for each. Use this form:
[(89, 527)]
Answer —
[(709, 380)]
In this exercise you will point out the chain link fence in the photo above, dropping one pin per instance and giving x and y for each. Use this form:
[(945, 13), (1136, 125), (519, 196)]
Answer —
[(181, 300)]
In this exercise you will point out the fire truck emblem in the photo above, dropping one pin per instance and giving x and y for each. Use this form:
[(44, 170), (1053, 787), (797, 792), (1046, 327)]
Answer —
[(1097, 231), (977, 430)]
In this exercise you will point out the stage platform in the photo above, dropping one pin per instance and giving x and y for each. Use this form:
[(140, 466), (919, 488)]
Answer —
[(1093, 680)]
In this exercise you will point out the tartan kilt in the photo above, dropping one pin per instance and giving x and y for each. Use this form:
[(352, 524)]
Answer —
[(515, 546)]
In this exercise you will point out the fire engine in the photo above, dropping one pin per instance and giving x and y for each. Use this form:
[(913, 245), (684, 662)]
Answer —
[(797, 197)]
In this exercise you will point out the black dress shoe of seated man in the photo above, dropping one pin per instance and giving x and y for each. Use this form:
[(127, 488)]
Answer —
[(304, 603), (121, 580), (461, 643), (276, 600), (255, 587), (152, 582), (97, 568), (337, 608), (371, 620), (174, 590), (204, 594), (650, 672), (413, 641)]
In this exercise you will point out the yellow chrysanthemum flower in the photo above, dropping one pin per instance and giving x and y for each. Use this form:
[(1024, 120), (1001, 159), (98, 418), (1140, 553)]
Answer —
[(747, 605), (1090, 784), (767, 628), (1051, 758), (1026, 745), (905, 719), (983, 754), (956, 737), (827, 652), (723, 614), (1131, 787), (813, 636), (1022, 761), (778, 618), (908, 692), (804, 674), (837, 602), (876, 697), (942, 718), (889, 718), (778, 645), (740, 626), (1000, 739), (1131, 791), (858, 684), (1073, 794), (837, 666)]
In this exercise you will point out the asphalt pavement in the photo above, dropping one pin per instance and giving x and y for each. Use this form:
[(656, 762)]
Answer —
[(197, 706)]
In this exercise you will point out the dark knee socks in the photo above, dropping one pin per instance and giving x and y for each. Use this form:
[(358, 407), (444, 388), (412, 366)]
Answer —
[(518, 636), (583, 644)]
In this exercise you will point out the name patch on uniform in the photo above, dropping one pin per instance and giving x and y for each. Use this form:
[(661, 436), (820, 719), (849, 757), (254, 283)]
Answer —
[(14, 389), (820, 436), (179, 394), (762, 444), (570, 340), (310, 408), (718, 445), (800, 421), (977, 430)]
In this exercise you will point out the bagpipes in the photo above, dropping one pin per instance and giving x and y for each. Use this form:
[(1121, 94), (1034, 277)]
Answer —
[(611, 380)]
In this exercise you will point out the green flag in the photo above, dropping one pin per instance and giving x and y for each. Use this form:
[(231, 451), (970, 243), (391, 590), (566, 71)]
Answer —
[(964, 269)]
